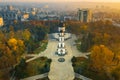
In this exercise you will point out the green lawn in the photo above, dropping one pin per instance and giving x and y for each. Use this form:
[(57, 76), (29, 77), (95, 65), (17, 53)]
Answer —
[(38, 66), (43, 46)]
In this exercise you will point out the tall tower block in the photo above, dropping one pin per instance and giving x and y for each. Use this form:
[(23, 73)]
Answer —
[(84, 15)]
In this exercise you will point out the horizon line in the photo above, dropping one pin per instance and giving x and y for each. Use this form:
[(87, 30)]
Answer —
[(59, 1)]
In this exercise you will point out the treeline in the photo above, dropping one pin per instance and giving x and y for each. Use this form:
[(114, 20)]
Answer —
[(18, 39), (35, 31), (102, 39), (51, 25), (96, 33)]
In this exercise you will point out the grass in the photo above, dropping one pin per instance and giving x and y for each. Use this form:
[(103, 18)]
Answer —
[(78, 44), (78, 47), (43, 46), (38, 66), (77, 41)]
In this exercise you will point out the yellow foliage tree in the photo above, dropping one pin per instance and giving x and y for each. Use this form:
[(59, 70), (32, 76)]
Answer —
[(15, 44), (101, 57), (106, 38), (2, 36), (17, 47), (84, 27), (12, 43), (6, 58), (20, 43), (20, 47), (11, 34)]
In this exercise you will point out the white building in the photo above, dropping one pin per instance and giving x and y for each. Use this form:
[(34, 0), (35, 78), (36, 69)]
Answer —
[(61, 45), (61, 39), (61, 34), (61, 51)]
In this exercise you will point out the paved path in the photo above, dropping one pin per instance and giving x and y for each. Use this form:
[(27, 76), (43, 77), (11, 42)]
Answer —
[(63, 70), (81, 77), (51, 48), (36, 77), (72, 48), (60, 70)]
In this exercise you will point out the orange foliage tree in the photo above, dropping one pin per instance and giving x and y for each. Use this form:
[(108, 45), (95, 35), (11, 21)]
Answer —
[(101, 57)]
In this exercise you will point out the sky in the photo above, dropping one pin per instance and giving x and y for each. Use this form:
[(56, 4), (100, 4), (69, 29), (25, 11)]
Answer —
[(59, 0)]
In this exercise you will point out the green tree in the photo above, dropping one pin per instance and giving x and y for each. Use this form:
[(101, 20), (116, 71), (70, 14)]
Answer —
[(20, 69), (86, 42)]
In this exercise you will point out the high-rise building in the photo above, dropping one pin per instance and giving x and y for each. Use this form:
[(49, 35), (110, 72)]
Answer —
[(84, 15), (1, 21)]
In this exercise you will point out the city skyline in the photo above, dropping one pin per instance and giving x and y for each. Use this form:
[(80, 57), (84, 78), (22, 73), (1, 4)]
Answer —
[(60, 1)]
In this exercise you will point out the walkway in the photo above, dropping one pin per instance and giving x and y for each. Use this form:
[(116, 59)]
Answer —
[(36, 77), (59, 70), (81, 77)]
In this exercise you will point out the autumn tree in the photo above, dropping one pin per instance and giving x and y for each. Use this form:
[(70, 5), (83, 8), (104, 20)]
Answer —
[(20, 49), (12, 43), (116, 73), (101, 57), (17, 47), (26, 34), (18, 34), (2, 37), (5, 56), (83, 29), (11, 32)]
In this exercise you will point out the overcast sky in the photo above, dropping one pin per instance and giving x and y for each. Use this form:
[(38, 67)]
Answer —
[(59, 0)]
